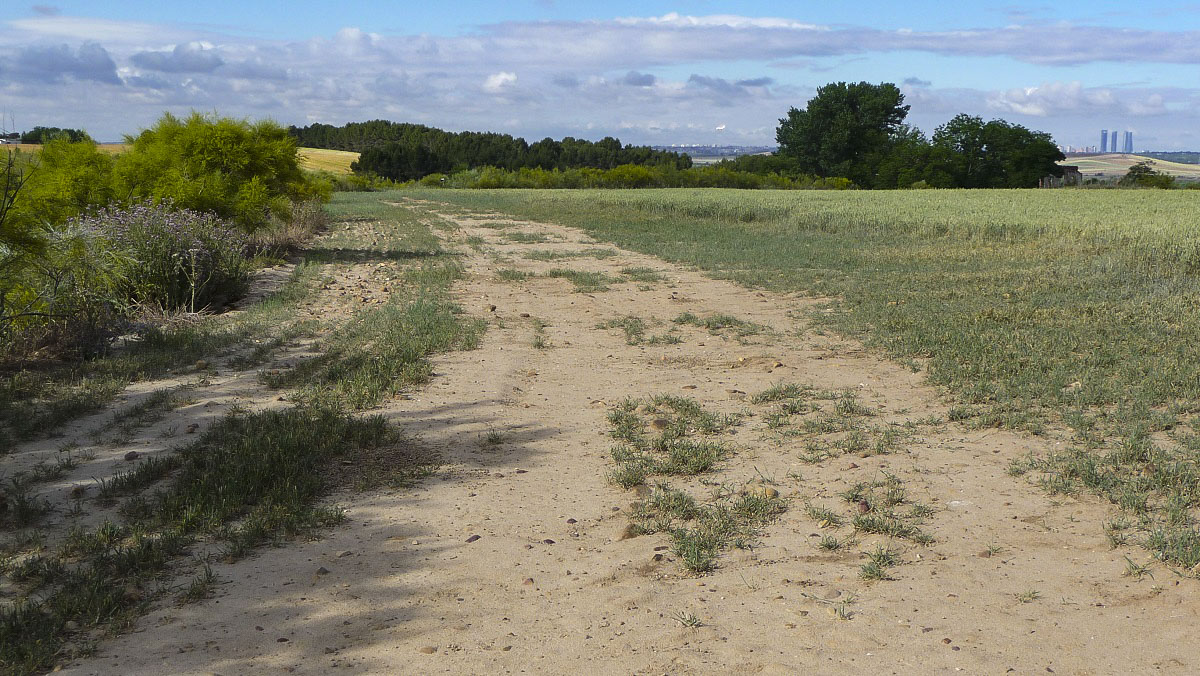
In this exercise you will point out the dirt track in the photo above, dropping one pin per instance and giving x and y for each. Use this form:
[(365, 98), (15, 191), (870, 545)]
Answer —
[(550, 587)]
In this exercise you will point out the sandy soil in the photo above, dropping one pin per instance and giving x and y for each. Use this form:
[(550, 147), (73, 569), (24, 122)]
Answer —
[(549, 586)]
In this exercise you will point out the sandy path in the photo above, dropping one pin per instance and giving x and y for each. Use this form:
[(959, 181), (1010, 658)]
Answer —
[(549, 587)]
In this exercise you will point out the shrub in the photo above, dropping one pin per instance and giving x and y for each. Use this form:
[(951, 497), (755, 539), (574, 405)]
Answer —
[(236, 169), (180, 259), (67, 300), (66, 179)]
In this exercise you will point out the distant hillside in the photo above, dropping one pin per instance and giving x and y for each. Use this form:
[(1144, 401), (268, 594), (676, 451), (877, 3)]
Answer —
[(1117, 164), (1188, 157)]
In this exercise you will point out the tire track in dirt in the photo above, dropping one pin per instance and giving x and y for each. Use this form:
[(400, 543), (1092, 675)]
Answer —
[(550, 586)]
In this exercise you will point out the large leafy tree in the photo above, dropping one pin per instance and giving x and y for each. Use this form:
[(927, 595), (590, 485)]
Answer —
[(845, 130), (995, 154)]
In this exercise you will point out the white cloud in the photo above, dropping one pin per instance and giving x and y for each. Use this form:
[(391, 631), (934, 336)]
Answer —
[(676, 20), (498, 82), (1072, 98)]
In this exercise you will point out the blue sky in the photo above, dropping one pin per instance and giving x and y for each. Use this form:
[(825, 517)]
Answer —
[(647, 72)]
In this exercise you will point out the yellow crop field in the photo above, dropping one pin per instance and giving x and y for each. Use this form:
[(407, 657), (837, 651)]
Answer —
[(336, 161)]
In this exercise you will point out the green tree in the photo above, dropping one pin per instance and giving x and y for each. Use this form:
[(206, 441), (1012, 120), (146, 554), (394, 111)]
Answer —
[(995, 154), (47, 134), (845, 130), (1142, 175), (234, 168)]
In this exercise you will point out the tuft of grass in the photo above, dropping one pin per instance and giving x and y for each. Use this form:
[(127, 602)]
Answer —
[(643, 274), (585, 282), (201, 586), (547, 255), (687, 619), (1028, 596), (823, 515), (526, 237), (512, 275), (879, 561), (831, 544), (718, 322), (634, 328)]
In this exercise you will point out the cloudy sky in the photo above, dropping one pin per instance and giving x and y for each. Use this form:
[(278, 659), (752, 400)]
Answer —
[(690, 71)]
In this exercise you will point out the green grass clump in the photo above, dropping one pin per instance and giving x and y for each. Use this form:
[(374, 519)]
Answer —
[(512, 275), (585, 282), (643, 274), (718, 322), (682, 444), (634, 328), (526, 237), (547, 255)]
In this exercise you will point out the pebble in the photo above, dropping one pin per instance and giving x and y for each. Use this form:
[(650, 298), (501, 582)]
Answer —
[(344, 553), (322, 571), (528, 581), (427, 649), (132, 455), (572, 521), (547, 541), (71, 625), (473, 538)]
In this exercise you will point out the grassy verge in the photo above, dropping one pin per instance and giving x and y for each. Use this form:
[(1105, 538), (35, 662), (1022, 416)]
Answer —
[(253, 478), (37, 399), (1034, 308), (382, 351)]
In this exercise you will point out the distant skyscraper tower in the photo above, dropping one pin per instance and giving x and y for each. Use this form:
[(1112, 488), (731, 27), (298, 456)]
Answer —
[(1129, 142), (1113, 137), (1103, 140)]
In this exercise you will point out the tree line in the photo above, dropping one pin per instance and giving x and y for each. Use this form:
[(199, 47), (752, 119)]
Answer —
[(47, 134), (857, 131), (404, 152)]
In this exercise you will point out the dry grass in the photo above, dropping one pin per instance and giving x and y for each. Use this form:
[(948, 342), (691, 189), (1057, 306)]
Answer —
[(336, 161)]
